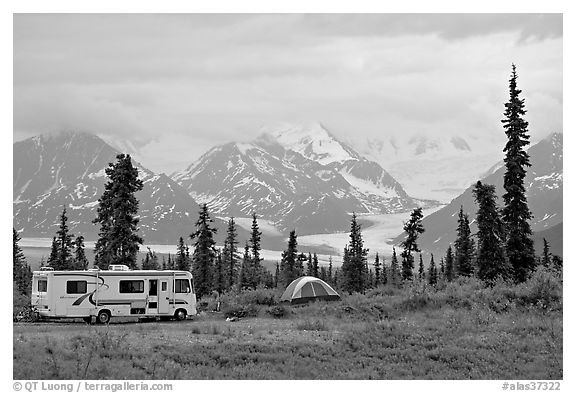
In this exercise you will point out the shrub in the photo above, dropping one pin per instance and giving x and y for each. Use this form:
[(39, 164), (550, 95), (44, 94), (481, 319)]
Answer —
[(277, 311), (241, 311)]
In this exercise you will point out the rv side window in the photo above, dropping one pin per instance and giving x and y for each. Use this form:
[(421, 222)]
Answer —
[(42, 285), (75, 287), (182, 286), (132, 286), (164, 285)]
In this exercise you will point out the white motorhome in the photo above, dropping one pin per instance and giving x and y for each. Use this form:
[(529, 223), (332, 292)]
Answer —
[(101, 294)]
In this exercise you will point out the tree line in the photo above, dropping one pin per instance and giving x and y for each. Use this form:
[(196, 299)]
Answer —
[(501, 249)]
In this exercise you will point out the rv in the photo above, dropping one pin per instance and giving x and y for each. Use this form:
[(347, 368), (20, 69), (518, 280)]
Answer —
[(97, 295)]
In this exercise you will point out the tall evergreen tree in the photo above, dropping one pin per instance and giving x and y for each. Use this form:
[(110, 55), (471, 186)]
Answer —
[(21, 274), (330, 272), (220, 283), (546, 258), (421, 269), (315, 266), (204, 253), (377, 270), (394, 268), (384, 276), (277, 275), (245, 270), (516, 214), (432, 272), (449, 264), (300, 271), (182, 260), (230, 254), (80, 260), (118, 241), (170, 263), (150, 261), (53, 257), (309, 268), (288, 264), (464, 246), (257, 271), (413, 229), (490, 258), (354, 264), (65, 259)]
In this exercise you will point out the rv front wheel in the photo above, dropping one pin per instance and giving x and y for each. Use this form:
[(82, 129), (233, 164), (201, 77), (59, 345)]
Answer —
[(180, 315), (104, 317)]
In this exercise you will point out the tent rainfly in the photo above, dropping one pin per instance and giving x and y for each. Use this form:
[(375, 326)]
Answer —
[(306, 289)]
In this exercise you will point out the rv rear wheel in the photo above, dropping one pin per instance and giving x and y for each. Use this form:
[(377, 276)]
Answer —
[(104, 317), (180, 315)]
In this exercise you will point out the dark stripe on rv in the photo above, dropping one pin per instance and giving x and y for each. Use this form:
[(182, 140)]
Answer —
[(178, 302), (122, 273)]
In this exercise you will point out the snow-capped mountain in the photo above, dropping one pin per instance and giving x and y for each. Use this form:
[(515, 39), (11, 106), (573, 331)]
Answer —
[(296, 176), (544, 187), (67, 169), (432, 167)]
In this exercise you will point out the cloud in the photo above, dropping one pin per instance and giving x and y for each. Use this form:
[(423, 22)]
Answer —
[(200, 80)]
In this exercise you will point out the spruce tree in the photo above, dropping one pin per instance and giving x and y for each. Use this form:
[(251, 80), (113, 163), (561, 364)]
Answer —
[(394, 268), (245, 270), (449, 264), (118, 241), (315, 266), (490, 258), (309, 268), (432, 272), (464, 246), (170, 263), (81, 262), (21, 274), (219, 273), (354, 265), (384, 277), (65, 259), (53, 257), (516, 214), (442, 268), (300, 264), (257, 270), (182, 260), (413, 229), (277, 275), (230, 254), (323, 274), (288, 268), (421, 269), (330, 273), (377, 270), (546, 254), (204, 253), (150, 261)]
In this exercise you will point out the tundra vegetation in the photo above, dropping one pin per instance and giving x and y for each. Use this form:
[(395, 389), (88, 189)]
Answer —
[(461, 329)]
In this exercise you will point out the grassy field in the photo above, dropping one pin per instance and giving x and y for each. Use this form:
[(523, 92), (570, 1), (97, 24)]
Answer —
[(460, 331)]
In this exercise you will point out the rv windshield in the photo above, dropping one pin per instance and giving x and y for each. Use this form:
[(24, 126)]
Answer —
[(182, 286)]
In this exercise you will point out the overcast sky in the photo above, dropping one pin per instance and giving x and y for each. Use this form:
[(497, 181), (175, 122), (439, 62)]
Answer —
[(176, 85)]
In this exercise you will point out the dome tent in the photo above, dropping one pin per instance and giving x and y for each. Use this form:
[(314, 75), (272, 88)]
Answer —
[(306, 289)]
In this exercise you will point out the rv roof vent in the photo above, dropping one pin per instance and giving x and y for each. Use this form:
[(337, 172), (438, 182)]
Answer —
[(46, 269), (118, 268), (94, 269)]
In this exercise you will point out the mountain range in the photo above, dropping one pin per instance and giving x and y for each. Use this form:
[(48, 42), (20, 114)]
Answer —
[(68, 169), (299, 177), (293, 176)]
